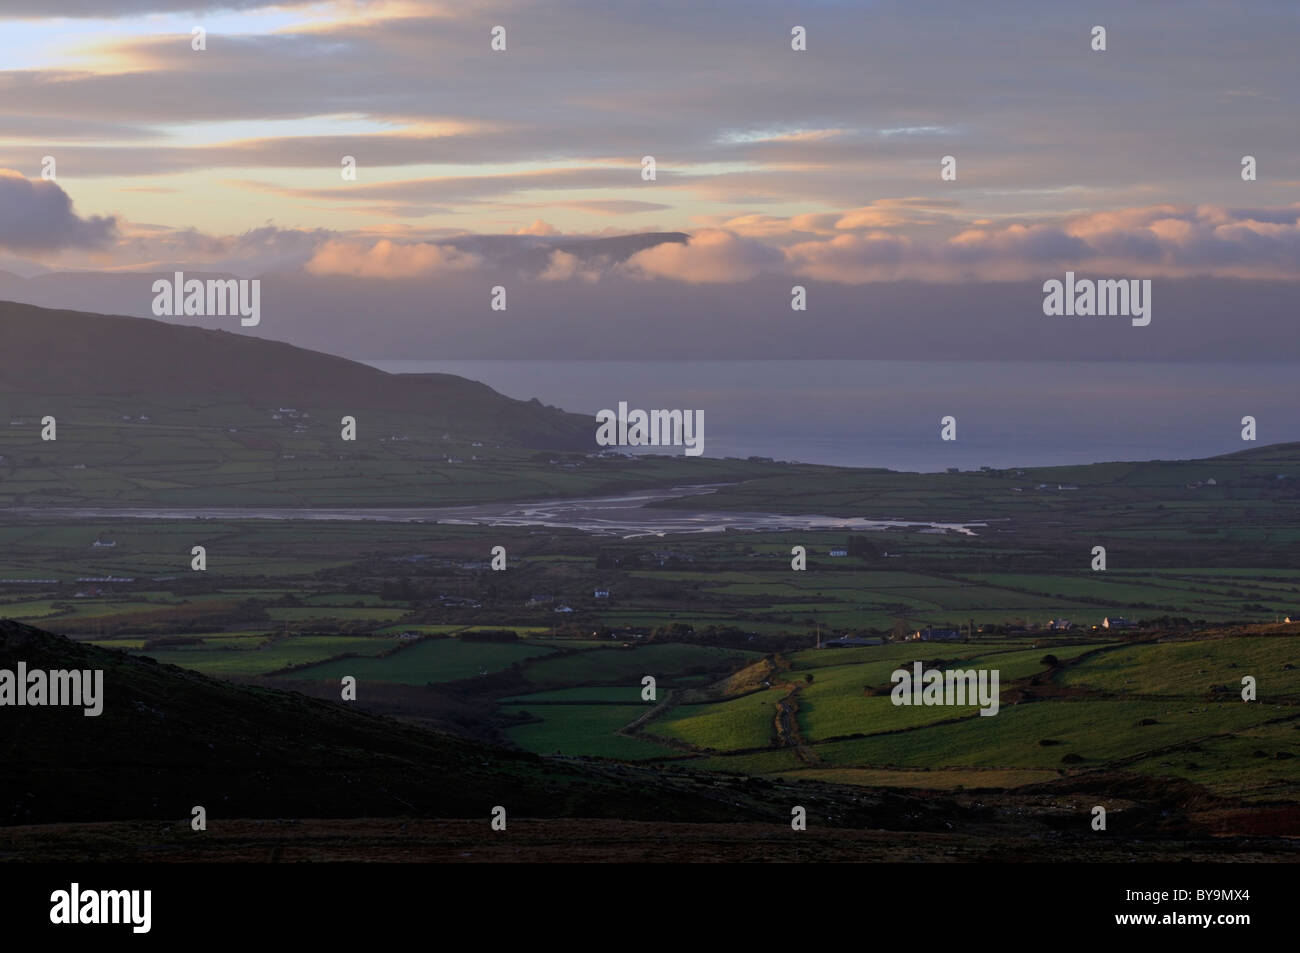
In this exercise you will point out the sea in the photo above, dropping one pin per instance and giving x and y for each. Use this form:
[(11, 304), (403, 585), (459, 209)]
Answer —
[(864, 413)]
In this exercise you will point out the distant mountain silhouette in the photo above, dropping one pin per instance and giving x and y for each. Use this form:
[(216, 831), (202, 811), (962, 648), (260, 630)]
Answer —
[(74, 353)]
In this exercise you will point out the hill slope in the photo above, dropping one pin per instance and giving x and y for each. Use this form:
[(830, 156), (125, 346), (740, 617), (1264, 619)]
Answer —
[(78, 354), (169, 739)]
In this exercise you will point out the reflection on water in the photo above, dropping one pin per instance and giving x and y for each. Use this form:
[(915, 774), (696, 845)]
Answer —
[(626, 515)]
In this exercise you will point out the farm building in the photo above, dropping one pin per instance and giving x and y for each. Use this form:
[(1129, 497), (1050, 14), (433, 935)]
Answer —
[(936, 635)]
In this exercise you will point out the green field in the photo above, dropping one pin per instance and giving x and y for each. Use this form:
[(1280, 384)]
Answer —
[(1209, 570), (433, 660), (247, 659), (737, 724), (1096, 731), (614, 665), (588, 730), (621, 694), (1195, 668)]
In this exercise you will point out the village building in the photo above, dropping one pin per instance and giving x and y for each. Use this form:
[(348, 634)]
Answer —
[(930, 634)]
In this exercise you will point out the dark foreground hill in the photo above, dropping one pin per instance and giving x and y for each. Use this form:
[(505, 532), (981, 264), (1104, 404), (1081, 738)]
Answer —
[(121, 786), (78, 354), (169, 739)]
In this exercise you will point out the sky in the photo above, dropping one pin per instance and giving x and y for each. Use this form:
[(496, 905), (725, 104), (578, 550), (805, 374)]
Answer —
[(820, 167)]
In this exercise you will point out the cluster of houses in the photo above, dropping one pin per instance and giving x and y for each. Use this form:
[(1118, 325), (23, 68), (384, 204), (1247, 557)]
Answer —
[(290, 412), (541, 599), (1110, 622), (1047, 486), (932, 634)]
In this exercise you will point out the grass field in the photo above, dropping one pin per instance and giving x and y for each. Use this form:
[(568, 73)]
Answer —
[(1194, 668), (740, 723), (433, 660), (1098, 732), (288, 593), (620, 694), (1257, 763), (213, 658), (584, 730), (603, 666), (851, 737)]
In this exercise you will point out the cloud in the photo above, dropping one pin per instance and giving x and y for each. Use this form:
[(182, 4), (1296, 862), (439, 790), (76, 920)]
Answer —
[(879, 242), (712, 255), (563, 266), (1156, 241), (852, 259), (537, 228), (615, 206), (97, 9), (387, 259), (409, 88), (37, 216), (252, 253)]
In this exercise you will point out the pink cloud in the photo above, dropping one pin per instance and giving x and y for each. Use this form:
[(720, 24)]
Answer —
[(563, 266), (538, 228), (387, 259), (712, 255)]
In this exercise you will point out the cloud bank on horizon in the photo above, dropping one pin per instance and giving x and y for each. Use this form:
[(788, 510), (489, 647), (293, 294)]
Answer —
[(818, 166)]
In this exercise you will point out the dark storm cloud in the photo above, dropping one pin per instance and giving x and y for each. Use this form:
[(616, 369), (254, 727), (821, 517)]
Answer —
[(38, 216)]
